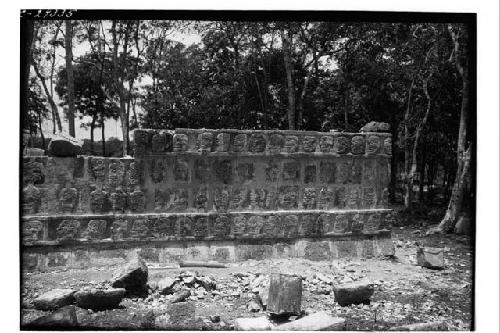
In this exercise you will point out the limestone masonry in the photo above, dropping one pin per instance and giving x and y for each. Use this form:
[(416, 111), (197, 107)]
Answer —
[(202, 194)]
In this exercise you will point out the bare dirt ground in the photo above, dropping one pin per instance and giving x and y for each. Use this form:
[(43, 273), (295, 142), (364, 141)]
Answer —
[(404, 293)]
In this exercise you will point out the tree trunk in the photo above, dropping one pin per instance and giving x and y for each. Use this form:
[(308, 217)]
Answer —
[(52, 104), (103, 139), (41, 131), (408, 181), (92, 127), (420, 127), (452, 214), (289, 79), (71, 84), (118, 78)]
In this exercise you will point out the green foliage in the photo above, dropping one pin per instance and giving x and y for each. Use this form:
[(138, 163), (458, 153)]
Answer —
[(37, 108)]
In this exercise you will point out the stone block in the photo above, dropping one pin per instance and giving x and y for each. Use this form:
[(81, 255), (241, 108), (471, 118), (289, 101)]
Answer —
[(54, 299), (353, 293), (99, 299), (430, 257), (320, 321), (252, 324)]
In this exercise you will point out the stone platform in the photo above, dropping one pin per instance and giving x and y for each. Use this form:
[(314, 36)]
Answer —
[(222, 195)]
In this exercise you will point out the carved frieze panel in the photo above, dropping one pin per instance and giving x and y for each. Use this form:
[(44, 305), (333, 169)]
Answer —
[(180, 142), (291, 171), (309, 144), (116, 172), (276, 143), (291, 144), (288, 197), (68, 200), (240, 143), (327, 172), (257, 143), (99, 201), (181, 170), (326, 143), (205, 141)]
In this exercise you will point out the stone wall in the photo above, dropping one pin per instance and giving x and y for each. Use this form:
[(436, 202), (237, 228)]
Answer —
[(208, 187)]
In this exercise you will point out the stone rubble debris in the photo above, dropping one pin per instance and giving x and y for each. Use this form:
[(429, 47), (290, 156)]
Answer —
[(430, 326)]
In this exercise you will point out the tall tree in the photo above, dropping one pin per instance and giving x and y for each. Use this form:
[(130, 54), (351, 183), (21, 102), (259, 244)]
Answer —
[(68, 42), (459, 36), (45, 48)]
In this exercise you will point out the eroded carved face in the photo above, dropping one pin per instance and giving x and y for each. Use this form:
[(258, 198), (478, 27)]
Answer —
[(358, 145), (180, 142), (342, 145), (276, 142), (181, 170), (325, 143), (205, 141), (222, 142), (257, 143), (388, 146), (309, 144), (291, 144), (98, 168), (240, 143)]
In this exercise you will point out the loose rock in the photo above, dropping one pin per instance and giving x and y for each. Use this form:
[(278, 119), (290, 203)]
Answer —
[(431, 326), (180, 296), (430, 257), (133, 277), (252, 324), (63, 147), (166, 285), (54, 299), (65, 317), (353, 293), (375, 126), (320, 321), (96, 299)]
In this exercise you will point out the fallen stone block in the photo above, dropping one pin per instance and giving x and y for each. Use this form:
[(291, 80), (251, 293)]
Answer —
[(285, 294), (253, 324), (65, 317), (97, 299), (375, 126), (178, 316), (320, 321), (33, 152), (206, 282), (430, 326), (166, 285), (430, 257), (54, 299), (353, 293), (133, 277), (180, 296), (62, 147)]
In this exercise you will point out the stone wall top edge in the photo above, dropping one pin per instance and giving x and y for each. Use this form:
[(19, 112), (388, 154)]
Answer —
[(251, 131), (146, 215)]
